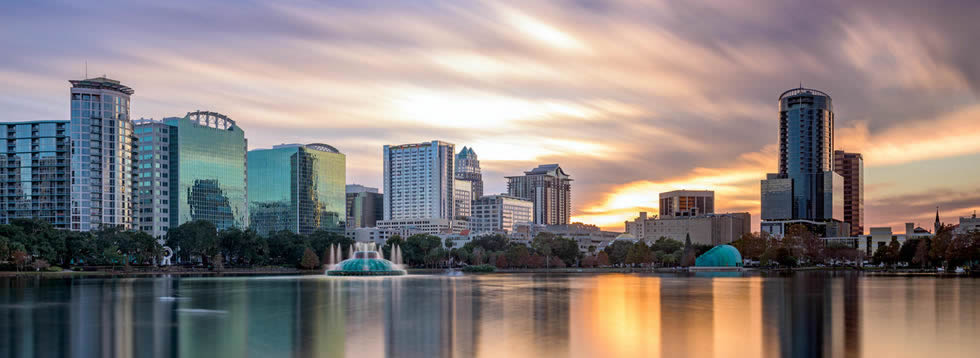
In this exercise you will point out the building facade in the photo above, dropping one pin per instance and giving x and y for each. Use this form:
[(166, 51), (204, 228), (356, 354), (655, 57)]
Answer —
[(191, 168), (101, 154), (499, 214), (153, 175), (462, 199), (296, 187), (709, 229), (364, 206), (550, 188), (851, 167), (687, 203), (468, 169), (419, 185), (34, 175), (806, 186)]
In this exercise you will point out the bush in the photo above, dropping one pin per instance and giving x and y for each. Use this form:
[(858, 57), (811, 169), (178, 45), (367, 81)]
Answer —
[(480, 268), (53, 269)]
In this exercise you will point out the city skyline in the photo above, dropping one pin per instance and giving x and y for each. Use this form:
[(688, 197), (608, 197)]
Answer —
[(525, 86)]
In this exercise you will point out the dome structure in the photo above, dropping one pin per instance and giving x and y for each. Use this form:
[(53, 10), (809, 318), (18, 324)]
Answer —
[(720, 256), (366, 263), (626, 236)]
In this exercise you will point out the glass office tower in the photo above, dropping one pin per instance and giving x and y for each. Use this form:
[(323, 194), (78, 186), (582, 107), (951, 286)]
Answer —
[(34, 172), (295, 187), (191, 168), (101, 154), (806, 186)]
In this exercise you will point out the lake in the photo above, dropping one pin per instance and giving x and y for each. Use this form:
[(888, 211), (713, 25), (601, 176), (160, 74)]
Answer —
[(500, 315)]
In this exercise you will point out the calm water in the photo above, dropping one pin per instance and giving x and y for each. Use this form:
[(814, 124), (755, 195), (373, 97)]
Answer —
[(518, 315)]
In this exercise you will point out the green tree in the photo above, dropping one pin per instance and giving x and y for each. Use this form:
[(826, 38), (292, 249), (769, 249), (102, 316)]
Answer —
[(287, 247), (518, 255), (310, 260), (639, 254), (192, 240), (242, 247), (921, 257), (617, 251)]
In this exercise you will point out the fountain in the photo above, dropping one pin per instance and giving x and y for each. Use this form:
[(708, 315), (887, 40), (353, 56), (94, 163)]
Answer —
[(366, 261)]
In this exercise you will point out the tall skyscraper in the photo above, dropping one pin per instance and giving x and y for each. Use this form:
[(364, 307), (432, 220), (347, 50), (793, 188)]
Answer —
[(851, 167), (34, 172), (101, 157), (806, 187), (550, 188), (297, 187), (468, 169), (419, 186), (365, 206), (687, 203), (191, 168)]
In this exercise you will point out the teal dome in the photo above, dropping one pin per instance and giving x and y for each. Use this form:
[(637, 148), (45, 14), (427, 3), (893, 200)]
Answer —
[(720, 256), (365, 264)]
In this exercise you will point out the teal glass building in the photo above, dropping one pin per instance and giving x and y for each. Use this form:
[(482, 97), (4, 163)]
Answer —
[(295, 187), (34, 177), (191, 168)]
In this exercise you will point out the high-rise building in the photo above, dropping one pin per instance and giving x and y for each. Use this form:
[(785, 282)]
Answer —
[(462, 199), (419, 186), (499, 214), (190, 168), (295, 187), (34, 179), (101, 154), (550, 188), (851, 167), (468, 169), (806, 188), (365, 206), (687, 203)]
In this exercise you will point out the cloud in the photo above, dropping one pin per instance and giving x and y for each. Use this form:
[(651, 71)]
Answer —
[(630, 97)]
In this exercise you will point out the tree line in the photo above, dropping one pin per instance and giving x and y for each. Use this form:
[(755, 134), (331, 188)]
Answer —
[(800, 246), (36, 243)]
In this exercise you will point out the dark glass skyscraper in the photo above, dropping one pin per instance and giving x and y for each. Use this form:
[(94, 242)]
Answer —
[(806, 186), (34, 172), (297, 187)]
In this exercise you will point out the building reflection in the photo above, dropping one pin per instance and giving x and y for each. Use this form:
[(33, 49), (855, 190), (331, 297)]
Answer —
[(803, 315)]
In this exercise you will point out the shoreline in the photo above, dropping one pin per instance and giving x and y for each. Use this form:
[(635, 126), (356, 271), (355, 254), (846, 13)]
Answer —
[(271, 271)]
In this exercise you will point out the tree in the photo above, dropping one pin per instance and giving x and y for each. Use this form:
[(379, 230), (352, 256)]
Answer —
[(639, 254), (489, 243), (752, 246), (242, 247), (602, 259), (908, 250), (689, 255), (921, 256), (589, 261), (617, 251), (20, 259), (940, 242), (310, 260), (518, 255), (501, 261), (196, 239)]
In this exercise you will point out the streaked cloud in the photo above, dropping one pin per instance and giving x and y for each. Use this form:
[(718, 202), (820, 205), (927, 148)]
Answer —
[(631, 97)]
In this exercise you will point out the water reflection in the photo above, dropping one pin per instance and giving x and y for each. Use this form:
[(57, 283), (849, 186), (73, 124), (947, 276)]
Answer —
[(803, 315)]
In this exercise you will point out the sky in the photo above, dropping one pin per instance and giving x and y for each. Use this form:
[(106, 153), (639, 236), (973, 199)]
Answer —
[(631, 98)]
